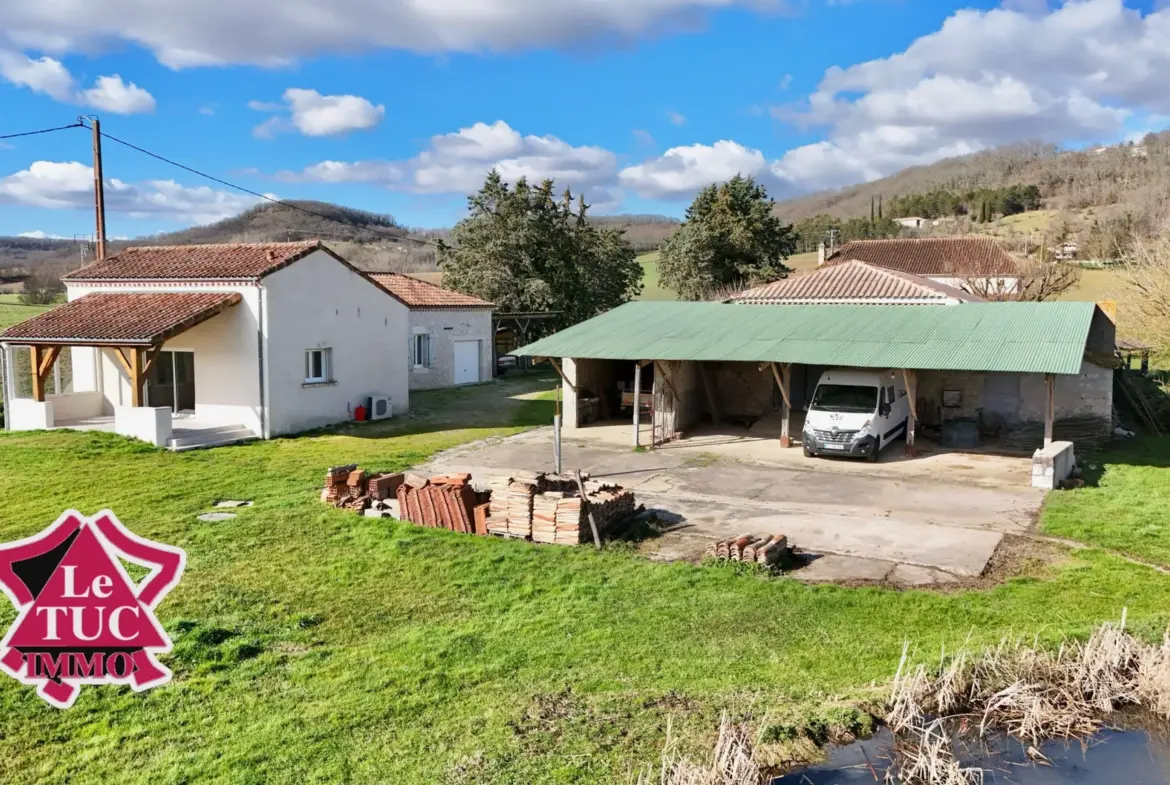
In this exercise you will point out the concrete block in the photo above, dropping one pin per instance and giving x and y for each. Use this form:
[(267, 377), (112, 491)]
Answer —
[(149, 424), (374, 512), (25, 414), (1052, 465)]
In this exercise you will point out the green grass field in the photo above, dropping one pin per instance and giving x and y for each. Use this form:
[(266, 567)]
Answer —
[(313, 645), (14, 313)]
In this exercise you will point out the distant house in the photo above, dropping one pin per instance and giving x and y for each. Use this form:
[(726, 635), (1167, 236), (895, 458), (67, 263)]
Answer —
[(854, 283), (954, 261), (186, 346), (1065, 251), (912, 222), (450, 339)]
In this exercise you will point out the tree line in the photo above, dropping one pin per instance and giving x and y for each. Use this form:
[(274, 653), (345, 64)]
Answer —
[(983, 204)]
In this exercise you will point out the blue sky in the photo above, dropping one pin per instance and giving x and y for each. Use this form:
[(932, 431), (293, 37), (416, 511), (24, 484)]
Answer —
[(402, 108)]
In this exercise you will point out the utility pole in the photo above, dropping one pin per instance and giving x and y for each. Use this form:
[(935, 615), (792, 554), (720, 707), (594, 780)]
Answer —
[(99, 188)]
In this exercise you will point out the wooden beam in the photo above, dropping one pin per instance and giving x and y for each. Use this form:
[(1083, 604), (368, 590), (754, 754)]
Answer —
[(784, 380), (561, 373), (47, 361), (137, 377), (38, 381), (151, 355), (1049, 408), (637, 405), (712, 398), (123, 359), (911, 379)]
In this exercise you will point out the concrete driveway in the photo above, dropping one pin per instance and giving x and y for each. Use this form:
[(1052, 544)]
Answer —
[(901, 527)]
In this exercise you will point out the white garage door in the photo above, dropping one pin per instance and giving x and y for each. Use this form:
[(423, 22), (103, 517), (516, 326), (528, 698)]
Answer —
[(466, 362)]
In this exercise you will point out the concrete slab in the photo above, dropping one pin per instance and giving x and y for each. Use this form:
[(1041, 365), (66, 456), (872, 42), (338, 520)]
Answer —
[(910, 576), (831, 568), (923, 520)]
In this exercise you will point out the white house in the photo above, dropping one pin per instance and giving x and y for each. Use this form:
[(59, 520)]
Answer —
[(451, 339), (193, 345), (912, 222)]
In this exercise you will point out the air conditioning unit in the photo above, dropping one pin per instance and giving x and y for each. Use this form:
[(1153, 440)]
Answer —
[(380, 408)]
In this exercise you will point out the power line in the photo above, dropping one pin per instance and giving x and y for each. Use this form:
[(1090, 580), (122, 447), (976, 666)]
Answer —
[(43, 131), (258, 195)]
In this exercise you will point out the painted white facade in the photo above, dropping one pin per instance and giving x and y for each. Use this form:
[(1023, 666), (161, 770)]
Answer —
[(319, 303), (249, 359), (445, 328)]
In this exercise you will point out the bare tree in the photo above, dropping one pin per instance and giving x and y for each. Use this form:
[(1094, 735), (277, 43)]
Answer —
[(1145, 273), (1038, 281)]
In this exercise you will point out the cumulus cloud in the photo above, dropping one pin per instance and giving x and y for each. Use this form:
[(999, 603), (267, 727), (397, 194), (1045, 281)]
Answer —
[(681, 171), (314, 114), (1073, 73), (272, 32), (40, 235), (457, 163), (69, 185), (49, 77), (111, 94)]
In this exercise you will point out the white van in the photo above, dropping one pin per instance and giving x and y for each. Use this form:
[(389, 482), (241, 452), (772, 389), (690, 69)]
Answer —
[(856, 412)]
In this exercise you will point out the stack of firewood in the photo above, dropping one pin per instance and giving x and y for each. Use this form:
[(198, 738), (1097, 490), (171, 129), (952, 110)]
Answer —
[(766, 550)]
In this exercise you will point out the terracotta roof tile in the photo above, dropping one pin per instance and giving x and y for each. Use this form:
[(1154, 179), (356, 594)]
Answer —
[(852, 282), (943, 256), (420, 294), (138, 318), (225, 262)]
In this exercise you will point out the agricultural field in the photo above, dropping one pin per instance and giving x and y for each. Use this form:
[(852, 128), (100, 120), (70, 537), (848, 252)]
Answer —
[(314, 645)]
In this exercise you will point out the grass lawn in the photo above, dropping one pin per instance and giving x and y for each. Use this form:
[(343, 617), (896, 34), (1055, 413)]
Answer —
[(14, 313), (313, 645), (651, 289), (1125, 507)]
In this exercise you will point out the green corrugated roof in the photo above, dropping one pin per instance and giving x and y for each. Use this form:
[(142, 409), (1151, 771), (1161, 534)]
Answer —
[(1005, 337)]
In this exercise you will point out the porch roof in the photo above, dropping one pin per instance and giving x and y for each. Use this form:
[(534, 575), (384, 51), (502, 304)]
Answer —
[(120, 319)]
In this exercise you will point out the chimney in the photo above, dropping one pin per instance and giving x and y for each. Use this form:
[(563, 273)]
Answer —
[(820, 254), (270, 255)]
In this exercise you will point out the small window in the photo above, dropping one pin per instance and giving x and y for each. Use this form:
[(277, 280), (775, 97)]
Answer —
[(421, 351), (318, 366)]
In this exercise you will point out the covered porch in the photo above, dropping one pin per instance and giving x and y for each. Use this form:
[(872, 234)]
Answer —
[(125, 374)]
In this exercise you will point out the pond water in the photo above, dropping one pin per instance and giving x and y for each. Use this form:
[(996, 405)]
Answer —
[(1109, 758)]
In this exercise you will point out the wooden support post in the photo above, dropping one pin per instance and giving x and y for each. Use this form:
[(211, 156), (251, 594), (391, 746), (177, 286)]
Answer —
[(1050, 408), (637, 404), (556, 366), (783, 376), (38, 381), (912, 395), (712, 398), (137, 377)]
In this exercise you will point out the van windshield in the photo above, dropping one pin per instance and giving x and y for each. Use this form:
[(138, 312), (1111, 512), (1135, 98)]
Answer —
[(845, 398)]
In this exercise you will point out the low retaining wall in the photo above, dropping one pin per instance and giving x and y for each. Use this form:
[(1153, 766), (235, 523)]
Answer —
[(150, 424), (25, 414), (1052, 465)]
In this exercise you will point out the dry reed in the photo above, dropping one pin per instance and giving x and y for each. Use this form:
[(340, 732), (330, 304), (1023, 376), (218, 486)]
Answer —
[(733, 762)]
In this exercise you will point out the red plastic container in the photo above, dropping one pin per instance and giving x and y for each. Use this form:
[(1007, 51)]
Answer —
[(359, 413)]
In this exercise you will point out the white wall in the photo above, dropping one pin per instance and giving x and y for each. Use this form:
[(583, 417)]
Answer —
[(1002, 285), (318, 302), (227, 364), (445, 327)]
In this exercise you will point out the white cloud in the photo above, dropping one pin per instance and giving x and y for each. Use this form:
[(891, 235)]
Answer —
[(681, 171), (44, 75), (69, 185), (458, 162), (314, 114), (786, 81), (48, 76), (111, 94), (39, 235), (1073, 73), (207, 111), (676, 118), (182, 33)]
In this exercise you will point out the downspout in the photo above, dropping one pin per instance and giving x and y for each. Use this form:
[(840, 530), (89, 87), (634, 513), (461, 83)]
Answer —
[(261, 330), (6, 383)]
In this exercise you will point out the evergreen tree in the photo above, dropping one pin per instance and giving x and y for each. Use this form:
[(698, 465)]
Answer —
[(730, 237), (524, 250)]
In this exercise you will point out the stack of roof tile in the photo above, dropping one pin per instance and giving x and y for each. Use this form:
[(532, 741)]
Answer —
[(518, 504), (442, 502)]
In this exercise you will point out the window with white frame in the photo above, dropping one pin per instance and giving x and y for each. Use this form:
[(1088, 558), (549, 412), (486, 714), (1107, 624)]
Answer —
[(420, 351), (318, 366)]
